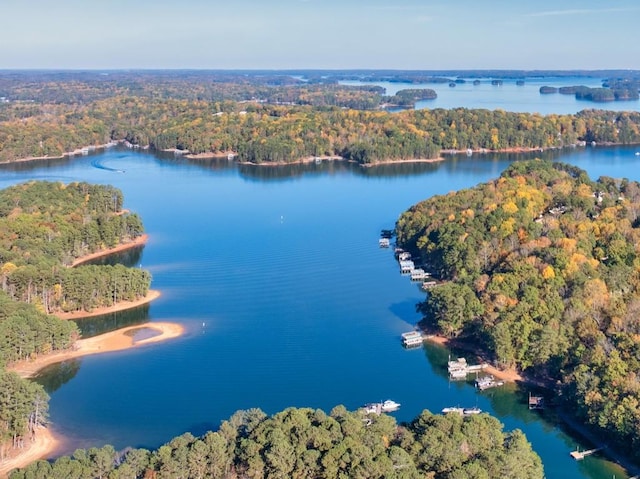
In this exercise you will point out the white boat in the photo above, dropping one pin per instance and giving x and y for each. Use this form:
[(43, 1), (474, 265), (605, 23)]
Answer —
[(389, 406), (468, 411), (380, 407), (457, 410), (463, 411)]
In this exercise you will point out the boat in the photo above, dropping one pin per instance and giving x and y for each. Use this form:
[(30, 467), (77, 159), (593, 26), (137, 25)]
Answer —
[(389, 406), (380, 407), (488, 382), (462, 411), (457, 410), (468, 411)]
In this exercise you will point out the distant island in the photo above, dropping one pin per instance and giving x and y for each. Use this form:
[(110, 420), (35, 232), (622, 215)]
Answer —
[(613, 91)]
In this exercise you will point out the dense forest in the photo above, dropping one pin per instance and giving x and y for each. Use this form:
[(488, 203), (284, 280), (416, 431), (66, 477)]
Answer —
[(541, 268), (308, 443), (44, 226), (270, 118), (25, 333)]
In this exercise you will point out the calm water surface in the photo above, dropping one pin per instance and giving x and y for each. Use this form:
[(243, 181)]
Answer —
[(286, 297), (509, 96)]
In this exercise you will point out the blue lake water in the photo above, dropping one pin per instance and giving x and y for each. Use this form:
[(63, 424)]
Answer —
[(287, 299), (509, 96)]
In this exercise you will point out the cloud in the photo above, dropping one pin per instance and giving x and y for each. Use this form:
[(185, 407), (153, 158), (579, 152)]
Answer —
[(580, 11)]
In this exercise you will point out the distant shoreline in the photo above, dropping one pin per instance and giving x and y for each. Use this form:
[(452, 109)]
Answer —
[(310, 159)]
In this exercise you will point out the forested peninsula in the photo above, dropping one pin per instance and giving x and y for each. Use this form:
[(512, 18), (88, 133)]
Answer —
[(269, 119), (540, 267), (302, 443), (44, 227)]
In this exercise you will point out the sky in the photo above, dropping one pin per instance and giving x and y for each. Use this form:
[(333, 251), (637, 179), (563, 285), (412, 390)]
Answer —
[(320, 34)]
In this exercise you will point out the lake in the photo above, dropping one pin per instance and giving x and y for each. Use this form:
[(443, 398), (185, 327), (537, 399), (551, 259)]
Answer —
[(286, 296), (509, 96)]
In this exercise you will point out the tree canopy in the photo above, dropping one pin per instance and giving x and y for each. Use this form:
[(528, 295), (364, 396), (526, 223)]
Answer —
[(305, 443), (541, 267)]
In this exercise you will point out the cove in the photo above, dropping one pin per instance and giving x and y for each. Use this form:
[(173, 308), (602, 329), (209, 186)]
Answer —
[(288, 301)]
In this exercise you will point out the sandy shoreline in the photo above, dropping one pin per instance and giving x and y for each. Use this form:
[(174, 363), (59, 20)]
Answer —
[(509, 375), (113, 341), (45, 445), (139, 241), (47, 442)]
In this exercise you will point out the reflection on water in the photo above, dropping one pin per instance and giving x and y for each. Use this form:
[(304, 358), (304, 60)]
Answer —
[(130, 258), (56, 375), (307, 311), (96, 325)]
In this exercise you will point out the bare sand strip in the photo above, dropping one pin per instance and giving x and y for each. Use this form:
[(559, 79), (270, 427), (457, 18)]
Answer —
[(139, 241), (46, 442), (113, 341), (121, 306), (45, 445)]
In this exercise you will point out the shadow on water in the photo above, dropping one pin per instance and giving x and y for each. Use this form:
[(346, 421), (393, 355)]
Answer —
[(57, 375), (130, 258), (105, 323)]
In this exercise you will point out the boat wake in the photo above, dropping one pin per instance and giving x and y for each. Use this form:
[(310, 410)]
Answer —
[(100, 166)]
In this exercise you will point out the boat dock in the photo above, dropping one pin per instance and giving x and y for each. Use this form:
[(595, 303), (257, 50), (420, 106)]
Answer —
[(459, 369), (536, 402), (488, 382), (579, 455), (412, 339)]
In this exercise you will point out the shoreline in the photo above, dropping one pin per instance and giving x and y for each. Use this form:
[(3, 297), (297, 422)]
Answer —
[(136, 242), (82, 151), (120, 306), (508, 375), (47, 442), (112, 341), (305, 160)]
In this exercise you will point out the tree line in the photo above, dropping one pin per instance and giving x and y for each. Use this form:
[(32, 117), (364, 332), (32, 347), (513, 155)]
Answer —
[(303, 443), (261, 132), (44, 226), (540, 268)]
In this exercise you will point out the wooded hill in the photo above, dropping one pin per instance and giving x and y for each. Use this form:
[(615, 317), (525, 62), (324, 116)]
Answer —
[(307, 443), (541, 268), (258, 132), (44, 226)]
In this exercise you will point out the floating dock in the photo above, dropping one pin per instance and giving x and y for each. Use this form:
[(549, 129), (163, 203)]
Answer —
[(579, 455), (459, 369), (412, 339), (488, 382), (536, 402)]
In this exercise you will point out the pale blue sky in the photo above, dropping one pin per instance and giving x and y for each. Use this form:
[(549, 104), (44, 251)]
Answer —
[(320, 34)]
